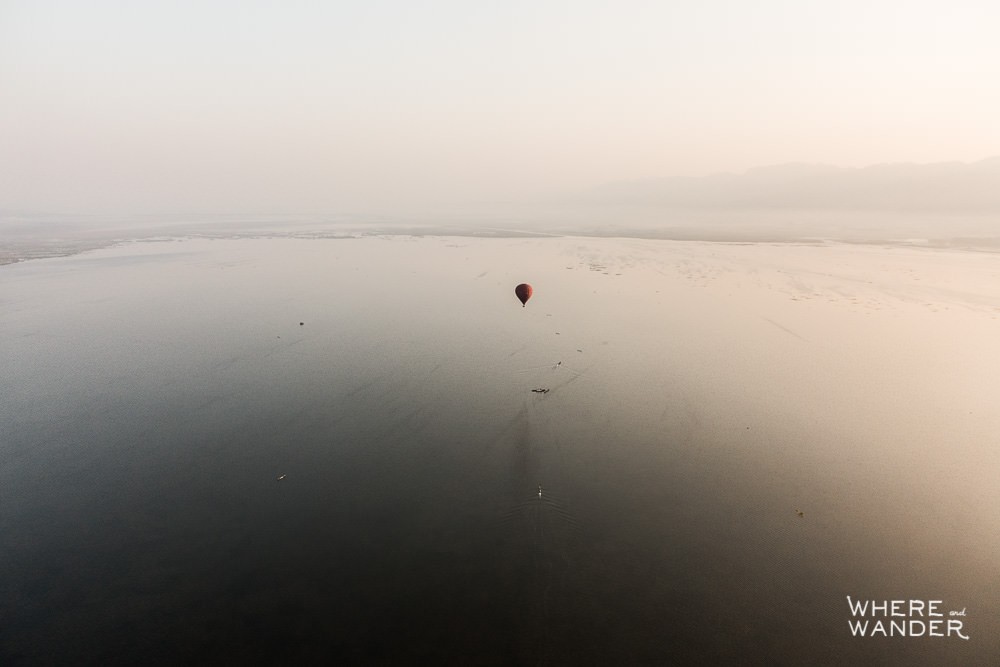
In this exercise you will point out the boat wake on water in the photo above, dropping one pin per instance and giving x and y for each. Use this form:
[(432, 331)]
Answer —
[(542, 514)]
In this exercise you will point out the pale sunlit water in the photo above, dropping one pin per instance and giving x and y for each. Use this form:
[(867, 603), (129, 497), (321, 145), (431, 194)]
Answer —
[(644, 510)]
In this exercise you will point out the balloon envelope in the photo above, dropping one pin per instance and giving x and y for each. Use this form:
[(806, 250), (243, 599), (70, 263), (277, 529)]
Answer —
[(523, 292)]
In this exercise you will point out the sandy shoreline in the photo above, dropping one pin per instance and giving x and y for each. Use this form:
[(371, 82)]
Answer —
[(27, 239)]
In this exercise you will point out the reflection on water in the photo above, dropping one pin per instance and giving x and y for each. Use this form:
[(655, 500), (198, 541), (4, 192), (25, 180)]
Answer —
[(332, 450)]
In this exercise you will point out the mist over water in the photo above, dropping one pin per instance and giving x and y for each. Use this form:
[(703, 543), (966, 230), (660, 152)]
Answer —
[(433, 508)]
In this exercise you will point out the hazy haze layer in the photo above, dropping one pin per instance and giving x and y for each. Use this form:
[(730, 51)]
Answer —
[(259, 108)]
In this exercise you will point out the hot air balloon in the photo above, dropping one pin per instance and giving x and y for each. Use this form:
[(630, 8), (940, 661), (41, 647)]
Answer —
[(523, 292)]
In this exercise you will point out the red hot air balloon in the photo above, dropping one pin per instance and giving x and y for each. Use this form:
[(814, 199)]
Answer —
[(523, 292)]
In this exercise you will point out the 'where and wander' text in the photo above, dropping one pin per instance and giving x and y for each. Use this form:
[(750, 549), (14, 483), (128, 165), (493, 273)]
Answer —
[(903, 618)]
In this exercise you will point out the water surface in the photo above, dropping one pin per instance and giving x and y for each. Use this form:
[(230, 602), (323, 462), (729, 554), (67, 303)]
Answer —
[(644, 510)]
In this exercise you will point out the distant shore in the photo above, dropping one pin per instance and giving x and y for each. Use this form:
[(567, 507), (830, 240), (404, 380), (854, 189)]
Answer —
[(24, 239)]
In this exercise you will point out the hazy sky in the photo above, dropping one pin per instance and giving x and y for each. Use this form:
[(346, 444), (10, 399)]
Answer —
[(327, 107)]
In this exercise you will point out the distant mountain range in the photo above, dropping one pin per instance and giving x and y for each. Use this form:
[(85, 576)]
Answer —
[(944, 187)]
